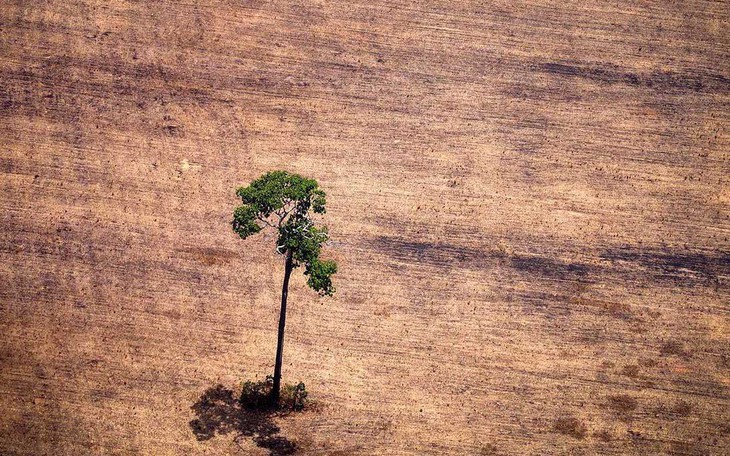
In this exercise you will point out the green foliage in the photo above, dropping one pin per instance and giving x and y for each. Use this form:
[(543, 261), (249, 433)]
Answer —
[(277, 189), (320, 276), (244, 221), (303, 239), (282, 201), (293, 397), (257, 396)]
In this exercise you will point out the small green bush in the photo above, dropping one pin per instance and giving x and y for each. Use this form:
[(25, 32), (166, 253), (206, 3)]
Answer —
[(257, 395), (293, 397)]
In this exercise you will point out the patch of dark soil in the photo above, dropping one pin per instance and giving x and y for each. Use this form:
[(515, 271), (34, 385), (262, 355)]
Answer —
[(449, 255), (676, 348), (570, 426), (623, 404), (679, 409), (431, 253), (687, 449), (684, 268), (682, 408), (488, 450), (664, 81), (614, 309), (549, 267), (630, 370), (210, 256)]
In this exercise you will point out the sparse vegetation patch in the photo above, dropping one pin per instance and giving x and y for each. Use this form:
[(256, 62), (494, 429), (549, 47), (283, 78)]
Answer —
[(256, 395)]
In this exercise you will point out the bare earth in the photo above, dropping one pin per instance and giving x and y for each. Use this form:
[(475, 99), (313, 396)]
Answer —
[(529, 203)]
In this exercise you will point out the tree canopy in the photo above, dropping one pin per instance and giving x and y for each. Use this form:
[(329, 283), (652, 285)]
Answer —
[(283, 201)]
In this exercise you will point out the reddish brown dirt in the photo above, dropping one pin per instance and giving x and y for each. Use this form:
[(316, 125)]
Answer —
[(529, 205)]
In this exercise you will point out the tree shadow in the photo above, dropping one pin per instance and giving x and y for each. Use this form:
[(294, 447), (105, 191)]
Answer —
[(219, 412)]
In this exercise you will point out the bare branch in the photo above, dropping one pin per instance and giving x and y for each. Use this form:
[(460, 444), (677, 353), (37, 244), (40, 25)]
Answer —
[(289, 211), (265, 221), (284, 211)]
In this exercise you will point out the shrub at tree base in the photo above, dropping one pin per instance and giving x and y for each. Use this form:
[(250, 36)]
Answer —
[(257, 396), (294, 397)]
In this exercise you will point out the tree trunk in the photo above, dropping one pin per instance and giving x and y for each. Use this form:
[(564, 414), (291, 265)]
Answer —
[(275, 391)]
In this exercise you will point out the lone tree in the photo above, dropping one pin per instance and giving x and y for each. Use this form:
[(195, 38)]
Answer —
[(282, 201)]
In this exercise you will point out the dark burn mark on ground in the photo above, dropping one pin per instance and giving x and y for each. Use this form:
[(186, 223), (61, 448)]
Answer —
[(430, 253), (548, 267), (686, 268), (444, 255), (680, 268), (666, 81)]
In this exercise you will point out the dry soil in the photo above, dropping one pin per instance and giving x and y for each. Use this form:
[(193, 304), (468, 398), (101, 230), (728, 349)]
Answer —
[(528, 201)]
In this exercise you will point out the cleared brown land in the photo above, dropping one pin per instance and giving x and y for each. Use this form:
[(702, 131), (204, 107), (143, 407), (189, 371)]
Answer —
[(529, 202)]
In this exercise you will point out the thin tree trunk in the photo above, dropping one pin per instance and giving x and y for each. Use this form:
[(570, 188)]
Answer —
[(275, 392)]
